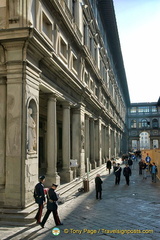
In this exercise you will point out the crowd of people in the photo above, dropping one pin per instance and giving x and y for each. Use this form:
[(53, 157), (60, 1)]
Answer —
[(145, 165)]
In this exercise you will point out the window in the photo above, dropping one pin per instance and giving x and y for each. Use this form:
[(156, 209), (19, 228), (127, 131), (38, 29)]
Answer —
[(74, 63), (143, 123), (154, 109), (91, 85), (133, 124), (143, 109), (46, 26), (63, 48), (155, 123), (86, 80), (133, 109)]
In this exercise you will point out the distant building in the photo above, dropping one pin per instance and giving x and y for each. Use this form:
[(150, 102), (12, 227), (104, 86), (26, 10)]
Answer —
[(143, 125)]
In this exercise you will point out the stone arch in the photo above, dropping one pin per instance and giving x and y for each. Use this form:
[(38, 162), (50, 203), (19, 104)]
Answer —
[(144, 140)]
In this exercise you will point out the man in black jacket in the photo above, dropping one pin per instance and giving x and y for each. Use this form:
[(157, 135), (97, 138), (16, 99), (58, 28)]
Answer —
[(117, 173), (51, 206), (39, 197), (127, 173), (98, 184)]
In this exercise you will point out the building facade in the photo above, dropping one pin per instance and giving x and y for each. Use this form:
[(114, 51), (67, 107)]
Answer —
[(63, 92), (143, 125)]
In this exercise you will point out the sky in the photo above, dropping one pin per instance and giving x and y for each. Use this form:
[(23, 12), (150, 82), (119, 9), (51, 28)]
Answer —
[(138, 23)]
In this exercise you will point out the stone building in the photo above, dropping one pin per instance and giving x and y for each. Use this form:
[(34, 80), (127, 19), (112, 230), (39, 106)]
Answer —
[(143, 125), (63, 92)]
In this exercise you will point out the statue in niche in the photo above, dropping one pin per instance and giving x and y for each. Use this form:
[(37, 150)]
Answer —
[(82, 136), (31, 132)]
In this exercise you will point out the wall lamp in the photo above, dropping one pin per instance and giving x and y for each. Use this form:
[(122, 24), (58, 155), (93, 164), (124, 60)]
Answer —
[(84, 5), (90, 21), (96, 34)]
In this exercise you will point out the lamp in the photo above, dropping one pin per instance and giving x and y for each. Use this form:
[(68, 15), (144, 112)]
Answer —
[(84, 5)]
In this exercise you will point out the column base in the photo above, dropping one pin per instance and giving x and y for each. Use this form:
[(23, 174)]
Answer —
[(50, 179), (66, 175), (94, 165)]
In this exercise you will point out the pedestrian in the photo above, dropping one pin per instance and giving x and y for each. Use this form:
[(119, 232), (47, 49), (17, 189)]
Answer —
[(52, 206), (117, 173), (98, 185), (109, 165), (154, 172), (140, 167), (144, 169), (39, 197), (127, 173), (130, 163), (148, 160)]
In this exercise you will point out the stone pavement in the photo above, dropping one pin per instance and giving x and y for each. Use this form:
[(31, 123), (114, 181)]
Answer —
[(125, 212)]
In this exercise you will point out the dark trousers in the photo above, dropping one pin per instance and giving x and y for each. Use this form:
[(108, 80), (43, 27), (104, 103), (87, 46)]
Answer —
[(127, 180), (140, 171), (153, 177), (39, 213), (98, 194), (55, 216), (117, 180)]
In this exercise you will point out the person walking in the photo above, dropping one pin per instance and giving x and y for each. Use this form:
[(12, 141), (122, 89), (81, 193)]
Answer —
[(127, 173), (144, 169), (98, 185), (140, 167), (39, 197), (130, 163), (154, 172), (148, 161), (109, 165), (52, 206), (117, 173)]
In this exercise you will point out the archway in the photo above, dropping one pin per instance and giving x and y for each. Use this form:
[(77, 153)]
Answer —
[(144, 140)]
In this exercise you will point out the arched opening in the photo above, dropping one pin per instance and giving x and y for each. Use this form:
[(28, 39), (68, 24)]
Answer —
[(144, 140)]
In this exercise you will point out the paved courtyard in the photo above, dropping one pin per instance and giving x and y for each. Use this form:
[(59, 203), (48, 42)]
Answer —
[(125, 212)]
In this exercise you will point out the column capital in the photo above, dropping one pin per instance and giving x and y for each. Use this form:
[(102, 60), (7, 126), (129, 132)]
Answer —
[(52, 97), (66, 105)]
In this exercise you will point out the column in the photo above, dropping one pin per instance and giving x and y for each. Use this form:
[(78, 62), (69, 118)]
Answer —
[(98, 142), (115, 142), (78, 138), (87, 141), (105, 143), (2, 130), (108, 142), (66, 174), (52, 176), (92, 143)]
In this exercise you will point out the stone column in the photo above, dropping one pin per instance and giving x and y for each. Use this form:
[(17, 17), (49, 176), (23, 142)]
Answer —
[(52, 176), (66, 174), (2, 130), (98, 142), (115, 143), (103, 144), (92, 143), (87, 141), (78, 138), (112, 142)]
